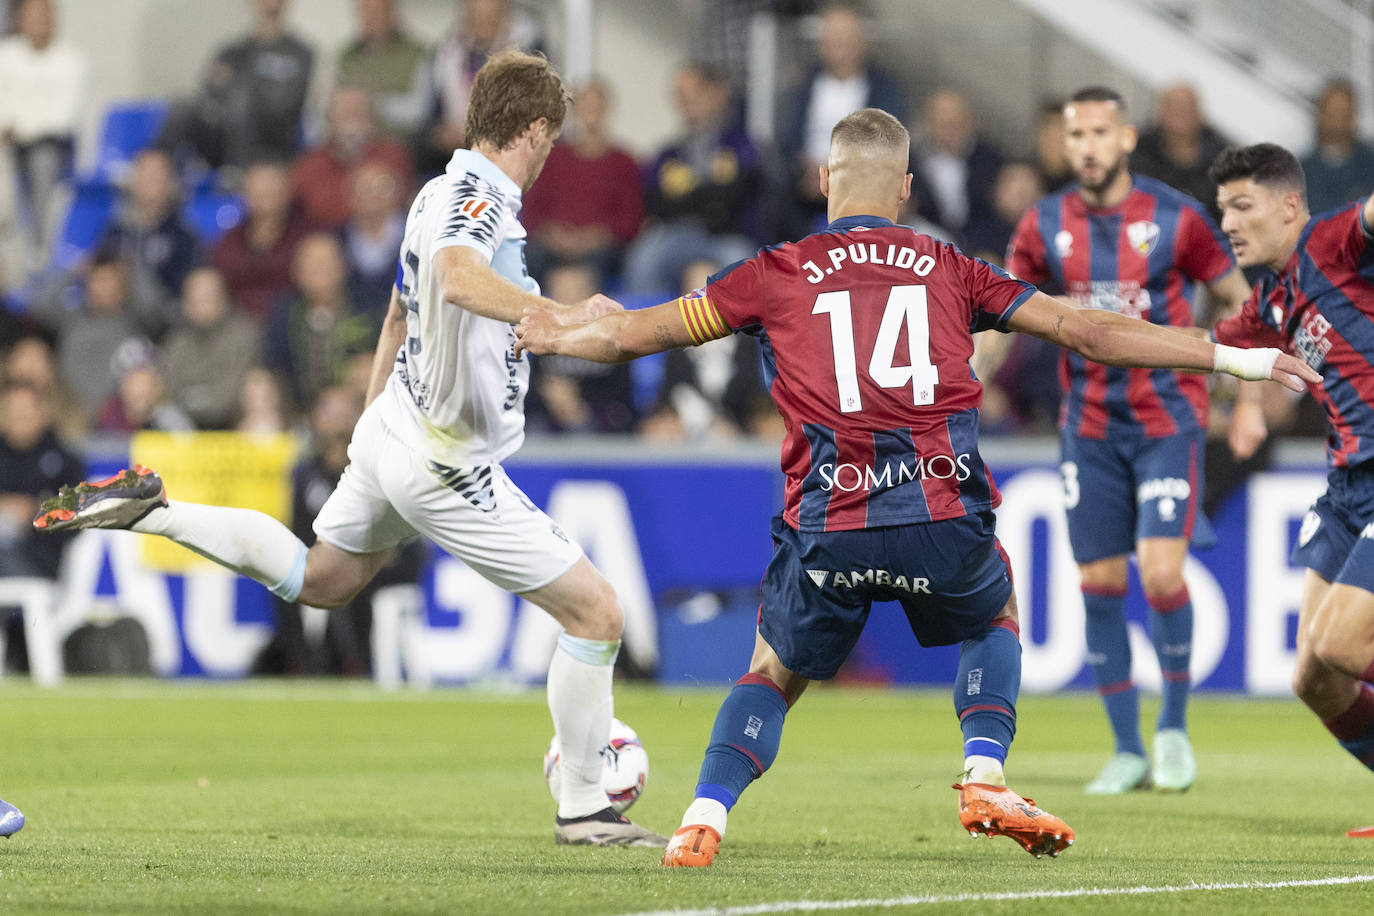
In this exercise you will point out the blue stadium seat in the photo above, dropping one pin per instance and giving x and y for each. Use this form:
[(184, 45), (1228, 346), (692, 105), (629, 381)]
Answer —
[(129, 127), (646, 378), (646, 373), (212, 213), (91, 207)]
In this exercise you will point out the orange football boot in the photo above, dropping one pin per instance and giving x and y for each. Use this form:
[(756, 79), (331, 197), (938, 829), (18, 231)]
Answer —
[(115, 502), (1361, 833), (693, 846), (998, 811)]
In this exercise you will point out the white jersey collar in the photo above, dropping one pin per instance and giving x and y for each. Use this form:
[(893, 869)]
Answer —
[(466, 160)]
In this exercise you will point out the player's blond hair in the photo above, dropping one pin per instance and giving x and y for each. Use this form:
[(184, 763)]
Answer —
[(869, 144), (512, 91)]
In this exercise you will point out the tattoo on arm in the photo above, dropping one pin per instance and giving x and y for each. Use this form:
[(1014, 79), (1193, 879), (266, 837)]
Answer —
[(663, 336), (1057, 325)]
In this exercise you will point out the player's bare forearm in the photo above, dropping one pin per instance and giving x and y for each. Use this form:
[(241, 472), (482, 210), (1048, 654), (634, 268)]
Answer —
[(1106, 337), (470, 283), (615, 338), (391, 339), (1115, 340), (1119, 341)]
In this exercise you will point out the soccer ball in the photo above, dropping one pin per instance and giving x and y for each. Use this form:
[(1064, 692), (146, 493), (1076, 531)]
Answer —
[(625, 773)]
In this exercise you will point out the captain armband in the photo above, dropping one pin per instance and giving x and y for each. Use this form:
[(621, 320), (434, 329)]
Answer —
[(701, 318)]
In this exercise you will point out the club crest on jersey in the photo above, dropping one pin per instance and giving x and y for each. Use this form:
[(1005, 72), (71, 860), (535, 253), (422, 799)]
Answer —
[(473, 207), (1143, 236)]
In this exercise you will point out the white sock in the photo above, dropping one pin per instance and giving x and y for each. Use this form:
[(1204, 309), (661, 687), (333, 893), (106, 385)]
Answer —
[(581, 705), (706, 811), (987, 770), (244, 540)]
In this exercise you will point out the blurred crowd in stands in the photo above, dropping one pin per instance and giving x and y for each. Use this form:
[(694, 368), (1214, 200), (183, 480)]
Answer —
[(237, 270), (229, 273)]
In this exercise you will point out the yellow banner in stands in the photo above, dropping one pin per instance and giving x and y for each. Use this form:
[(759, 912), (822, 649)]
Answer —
[(218, 469)]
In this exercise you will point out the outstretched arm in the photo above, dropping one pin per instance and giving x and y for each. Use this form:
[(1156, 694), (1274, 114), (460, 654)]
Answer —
[(469, 282), (615, 338), (1106, 337)]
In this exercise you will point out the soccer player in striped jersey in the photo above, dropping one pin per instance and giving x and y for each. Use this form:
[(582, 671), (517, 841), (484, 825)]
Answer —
[(1132, 439), (446, 406), (1317, 302), (866, 330)]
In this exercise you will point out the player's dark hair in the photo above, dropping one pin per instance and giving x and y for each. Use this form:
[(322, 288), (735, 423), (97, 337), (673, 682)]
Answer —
[(1098, 94), (512, 91), (868, 128), (1263, 163)]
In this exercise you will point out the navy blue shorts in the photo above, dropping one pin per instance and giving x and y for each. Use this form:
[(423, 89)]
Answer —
[(1336, 540), (1129, 486), (951, 577)]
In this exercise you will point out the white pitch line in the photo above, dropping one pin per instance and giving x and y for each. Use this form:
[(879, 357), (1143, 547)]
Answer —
[(818, 906)]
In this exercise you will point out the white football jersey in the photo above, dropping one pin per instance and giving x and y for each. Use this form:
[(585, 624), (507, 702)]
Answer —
[(457, 394)]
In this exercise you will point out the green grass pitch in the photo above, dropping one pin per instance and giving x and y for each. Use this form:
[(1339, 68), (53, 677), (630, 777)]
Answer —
[(152, 797)]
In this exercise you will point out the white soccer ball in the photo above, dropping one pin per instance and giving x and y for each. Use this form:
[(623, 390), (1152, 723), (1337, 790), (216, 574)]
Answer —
[(626, 767)]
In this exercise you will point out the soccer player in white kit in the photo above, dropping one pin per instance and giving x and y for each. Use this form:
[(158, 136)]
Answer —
[(446, 406)]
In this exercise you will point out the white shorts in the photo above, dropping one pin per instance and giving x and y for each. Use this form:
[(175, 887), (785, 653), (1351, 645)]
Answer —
[(389, 493)]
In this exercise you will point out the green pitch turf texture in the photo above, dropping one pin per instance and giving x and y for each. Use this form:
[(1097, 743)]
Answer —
[(266, 797)]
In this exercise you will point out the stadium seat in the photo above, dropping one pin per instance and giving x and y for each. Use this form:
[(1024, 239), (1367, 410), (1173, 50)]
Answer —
[(646, 373), (646, 378), (212, 213), (129, 127), (89, 213)]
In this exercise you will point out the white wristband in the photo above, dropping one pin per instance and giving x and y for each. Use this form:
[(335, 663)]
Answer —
[(1253, 365)]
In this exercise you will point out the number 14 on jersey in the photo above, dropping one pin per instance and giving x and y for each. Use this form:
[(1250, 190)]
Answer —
[(906, 305)]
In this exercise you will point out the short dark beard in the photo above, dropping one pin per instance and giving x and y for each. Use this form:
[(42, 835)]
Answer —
[(1107, 177)]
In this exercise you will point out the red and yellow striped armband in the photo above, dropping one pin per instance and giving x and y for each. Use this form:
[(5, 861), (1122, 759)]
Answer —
[(701, 318)]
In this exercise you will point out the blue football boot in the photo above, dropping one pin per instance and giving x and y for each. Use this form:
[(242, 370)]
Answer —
[(11, 819)]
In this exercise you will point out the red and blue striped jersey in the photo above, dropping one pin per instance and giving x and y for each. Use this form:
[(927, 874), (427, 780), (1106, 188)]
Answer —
[(866, 330), (1139, 258), (1320, 308)]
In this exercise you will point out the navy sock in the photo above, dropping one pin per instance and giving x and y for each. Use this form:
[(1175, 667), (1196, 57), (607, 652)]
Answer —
[(1171, 630), (986, 688), (1354, 728), (744, 740), (1109, 655)]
